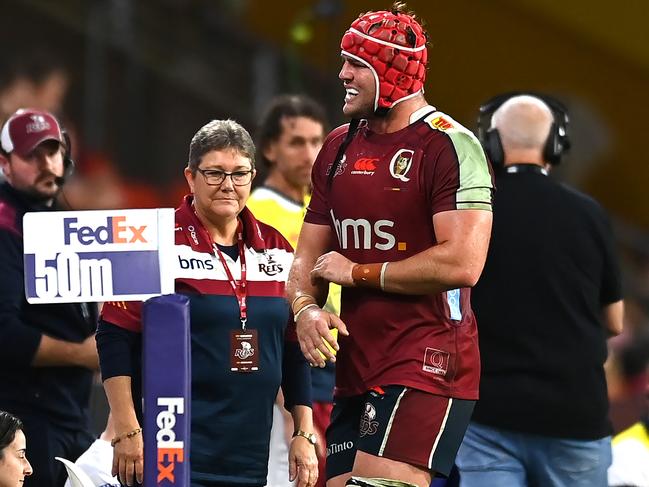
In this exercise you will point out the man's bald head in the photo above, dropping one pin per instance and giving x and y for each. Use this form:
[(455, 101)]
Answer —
[(523, 123)]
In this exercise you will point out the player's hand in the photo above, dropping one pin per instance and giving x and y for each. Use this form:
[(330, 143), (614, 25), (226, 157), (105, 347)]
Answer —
[(302, 462), (333, 267), (313, 332), (128, 460)]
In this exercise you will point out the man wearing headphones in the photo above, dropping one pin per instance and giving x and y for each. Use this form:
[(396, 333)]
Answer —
[(400, 216), (548, 298), (47, 351)]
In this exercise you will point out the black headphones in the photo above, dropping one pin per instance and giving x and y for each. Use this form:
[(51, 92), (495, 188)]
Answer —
[(558, 141), (68, 163)]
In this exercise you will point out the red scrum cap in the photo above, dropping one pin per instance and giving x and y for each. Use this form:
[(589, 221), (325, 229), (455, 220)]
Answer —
[(393, 45)]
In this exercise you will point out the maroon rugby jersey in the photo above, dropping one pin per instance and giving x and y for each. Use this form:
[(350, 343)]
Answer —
[(380, 206)]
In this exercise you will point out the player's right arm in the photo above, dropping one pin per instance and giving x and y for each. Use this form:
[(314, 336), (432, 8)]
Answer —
[(307, 296)]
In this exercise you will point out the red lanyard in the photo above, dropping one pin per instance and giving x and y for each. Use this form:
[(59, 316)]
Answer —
[(240, 289)]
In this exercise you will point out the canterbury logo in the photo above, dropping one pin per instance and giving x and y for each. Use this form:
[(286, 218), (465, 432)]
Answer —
[(365, 164)]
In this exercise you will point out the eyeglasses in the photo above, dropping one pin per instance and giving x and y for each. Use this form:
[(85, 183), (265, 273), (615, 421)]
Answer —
[(215, 177)]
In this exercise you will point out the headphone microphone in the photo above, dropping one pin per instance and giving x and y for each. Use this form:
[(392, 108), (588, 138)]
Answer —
[(556, 145)]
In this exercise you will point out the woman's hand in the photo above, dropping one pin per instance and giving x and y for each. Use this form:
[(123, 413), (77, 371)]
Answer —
[(128, 459), (302, 462)]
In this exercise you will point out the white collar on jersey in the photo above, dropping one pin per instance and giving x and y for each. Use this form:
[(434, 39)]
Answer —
[(420, 113)]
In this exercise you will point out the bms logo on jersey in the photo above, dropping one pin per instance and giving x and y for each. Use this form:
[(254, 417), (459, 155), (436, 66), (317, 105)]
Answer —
[(364, 234)]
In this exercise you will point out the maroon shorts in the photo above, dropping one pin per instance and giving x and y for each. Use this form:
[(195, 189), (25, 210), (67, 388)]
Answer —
[(399, 423)]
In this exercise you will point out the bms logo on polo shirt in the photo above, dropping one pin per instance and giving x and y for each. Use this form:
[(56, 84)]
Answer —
[(194, 263)]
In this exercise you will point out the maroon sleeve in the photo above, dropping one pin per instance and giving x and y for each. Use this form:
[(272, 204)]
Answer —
[(318, 210), (441, 174), (125, 314)]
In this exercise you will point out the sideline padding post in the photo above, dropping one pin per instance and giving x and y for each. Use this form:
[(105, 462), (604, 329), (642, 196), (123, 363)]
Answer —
[(167, 391)]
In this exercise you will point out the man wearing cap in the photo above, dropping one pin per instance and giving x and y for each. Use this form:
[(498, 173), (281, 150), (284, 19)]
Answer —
[(47, 351), (400, 217)]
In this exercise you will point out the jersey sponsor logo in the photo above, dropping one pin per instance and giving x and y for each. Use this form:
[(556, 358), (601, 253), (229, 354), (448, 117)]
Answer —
[(436, 361), (363, 234), (339, 447), (440, 123), (365, 166), (400, 164), (170, 451), (115, 231), (342, 165), (369, 425)]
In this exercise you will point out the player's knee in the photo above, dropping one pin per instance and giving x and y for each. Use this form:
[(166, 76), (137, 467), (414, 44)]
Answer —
[(376, 482)]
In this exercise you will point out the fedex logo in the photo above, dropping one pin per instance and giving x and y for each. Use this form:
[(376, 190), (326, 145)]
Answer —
[(364, 233), (115, 231), (170, 451)]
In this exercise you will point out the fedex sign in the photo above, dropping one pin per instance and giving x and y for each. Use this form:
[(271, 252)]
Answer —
[(112, 255), (116, 230), (170, 450)]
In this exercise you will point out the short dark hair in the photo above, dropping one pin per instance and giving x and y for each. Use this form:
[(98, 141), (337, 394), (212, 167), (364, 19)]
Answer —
[(9, 424), (220, 135), (286, 106)]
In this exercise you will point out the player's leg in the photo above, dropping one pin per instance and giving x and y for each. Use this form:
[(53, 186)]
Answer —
[(408, 435), (342, 436)]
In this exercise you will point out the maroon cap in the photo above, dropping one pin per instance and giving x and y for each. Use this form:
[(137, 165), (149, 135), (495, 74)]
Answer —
[(28, 128)]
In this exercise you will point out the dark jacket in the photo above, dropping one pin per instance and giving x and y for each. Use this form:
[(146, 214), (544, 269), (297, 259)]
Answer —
[(59, 393)]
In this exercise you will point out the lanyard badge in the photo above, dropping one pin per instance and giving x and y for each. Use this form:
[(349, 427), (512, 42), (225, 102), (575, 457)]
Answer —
[(244, 344)]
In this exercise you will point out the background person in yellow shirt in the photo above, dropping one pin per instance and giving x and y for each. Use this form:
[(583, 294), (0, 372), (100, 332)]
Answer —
[(289, 137)]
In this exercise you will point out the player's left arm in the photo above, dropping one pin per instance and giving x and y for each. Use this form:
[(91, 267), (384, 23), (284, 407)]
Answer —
[(455, 261)]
